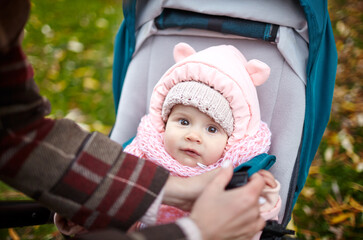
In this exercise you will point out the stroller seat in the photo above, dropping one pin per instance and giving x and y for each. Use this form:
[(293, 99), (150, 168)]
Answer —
[(282, 97)]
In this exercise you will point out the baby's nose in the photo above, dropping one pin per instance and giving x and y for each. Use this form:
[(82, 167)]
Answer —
[(193, 136)]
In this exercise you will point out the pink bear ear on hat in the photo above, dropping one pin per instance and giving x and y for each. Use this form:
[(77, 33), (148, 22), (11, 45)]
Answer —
[(259, 71), (182, 50)]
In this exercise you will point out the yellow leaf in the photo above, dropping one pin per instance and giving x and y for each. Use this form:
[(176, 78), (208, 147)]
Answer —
[(342, 29), (348, 106), (291, 225), (99, 127), (314, 170), (60, 54), (355, 158), (334, 210), (101, 23), (328, 154), (53, 73), (331, 211), (84, 72), (91, 83), (341, 217), (308, 192), (359, 167), (355, 205), (346, 140), (92, 54), (332, 202), (334, 138), (59, 86), (13, 234), (75, 46), (357, 187), (340, 45)]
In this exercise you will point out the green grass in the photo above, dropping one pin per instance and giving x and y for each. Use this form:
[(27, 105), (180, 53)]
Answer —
[(70, 44)]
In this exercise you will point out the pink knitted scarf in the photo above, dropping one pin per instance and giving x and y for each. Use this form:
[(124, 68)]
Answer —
[(149, 144)]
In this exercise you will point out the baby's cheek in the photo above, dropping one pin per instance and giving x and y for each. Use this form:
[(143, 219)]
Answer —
[(214, 154), (169, 147)]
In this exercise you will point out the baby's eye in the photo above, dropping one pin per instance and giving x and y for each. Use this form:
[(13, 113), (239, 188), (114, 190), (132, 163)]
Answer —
[(183, 122), (212, 129)]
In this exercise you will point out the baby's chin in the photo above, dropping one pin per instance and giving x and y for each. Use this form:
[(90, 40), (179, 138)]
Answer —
[(187, 162)]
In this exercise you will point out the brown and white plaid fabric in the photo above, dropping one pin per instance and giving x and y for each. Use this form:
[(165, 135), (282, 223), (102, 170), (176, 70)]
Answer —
[(84, 176)]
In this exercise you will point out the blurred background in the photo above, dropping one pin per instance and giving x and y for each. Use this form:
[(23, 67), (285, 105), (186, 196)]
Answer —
[(70, 44)]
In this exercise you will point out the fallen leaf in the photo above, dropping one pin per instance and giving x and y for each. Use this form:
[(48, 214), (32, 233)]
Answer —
[(13, 234), (91, 83), (341, 218), (355, 205)]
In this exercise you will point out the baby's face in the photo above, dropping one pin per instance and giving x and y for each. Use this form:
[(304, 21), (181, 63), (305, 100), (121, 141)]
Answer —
[(192, 136)]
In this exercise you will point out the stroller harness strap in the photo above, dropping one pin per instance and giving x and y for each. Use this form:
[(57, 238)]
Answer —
[(171, 18)]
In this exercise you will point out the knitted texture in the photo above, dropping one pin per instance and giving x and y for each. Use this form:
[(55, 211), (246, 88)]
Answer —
[(149, 144), (203, 97)]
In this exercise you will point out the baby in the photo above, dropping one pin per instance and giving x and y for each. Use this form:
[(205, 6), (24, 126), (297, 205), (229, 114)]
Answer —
[(203, 111)]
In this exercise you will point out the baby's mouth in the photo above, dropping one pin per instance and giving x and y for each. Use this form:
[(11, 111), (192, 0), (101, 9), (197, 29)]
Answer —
[(191, 152)]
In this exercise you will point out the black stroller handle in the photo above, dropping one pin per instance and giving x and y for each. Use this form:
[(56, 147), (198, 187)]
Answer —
[(23, 213)]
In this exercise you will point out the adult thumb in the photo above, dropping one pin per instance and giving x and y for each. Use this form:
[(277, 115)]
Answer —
[(224, 176)]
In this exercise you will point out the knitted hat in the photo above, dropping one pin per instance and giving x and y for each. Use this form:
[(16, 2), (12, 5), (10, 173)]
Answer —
[(224, 70), (203, 97)]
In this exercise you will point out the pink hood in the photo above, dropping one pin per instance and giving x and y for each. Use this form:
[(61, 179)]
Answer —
[(226, 70)]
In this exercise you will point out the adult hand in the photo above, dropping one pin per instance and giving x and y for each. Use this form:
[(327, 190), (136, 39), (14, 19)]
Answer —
[(66, 226), (182, 192), (229, 214), (268, 178)]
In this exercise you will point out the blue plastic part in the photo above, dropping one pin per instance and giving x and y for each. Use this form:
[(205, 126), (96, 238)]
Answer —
[(262, 161)]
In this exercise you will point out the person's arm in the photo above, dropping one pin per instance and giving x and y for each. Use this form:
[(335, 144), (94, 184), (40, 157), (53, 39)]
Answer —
[(84, 176), (217, 214)]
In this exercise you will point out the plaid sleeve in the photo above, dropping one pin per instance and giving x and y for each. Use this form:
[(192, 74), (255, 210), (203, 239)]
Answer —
[(84, 176)]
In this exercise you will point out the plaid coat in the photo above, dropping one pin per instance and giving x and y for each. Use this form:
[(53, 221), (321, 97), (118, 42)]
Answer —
[(83, 176)]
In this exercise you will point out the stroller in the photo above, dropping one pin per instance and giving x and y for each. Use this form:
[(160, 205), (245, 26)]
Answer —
[(294, 101)]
